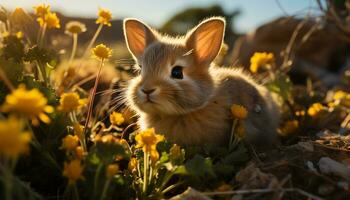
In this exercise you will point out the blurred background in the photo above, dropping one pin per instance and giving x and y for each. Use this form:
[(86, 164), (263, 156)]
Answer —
[(248, 14), (310, 35)]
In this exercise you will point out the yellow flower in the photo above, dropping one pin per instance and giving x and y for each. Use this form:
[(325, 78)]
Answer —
[(116, 118), (41, 10), (239, 112), (112, 169), (300, 113), (148, 140), (70, 101), (104, 17), (5, 34), (240, 131), (14, 141), (70, 142), (261, 59), (79, 130), (73, 171), (75, 27), (79, 152), (132, 166), (19, 34), (289, 127), (340, 97), (29, 103), (315, 109), (101, 52), (51, 20)]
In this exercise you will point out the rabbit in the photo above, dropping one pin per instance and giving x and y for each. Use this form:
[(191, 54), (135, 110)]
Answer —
[(183, 96)]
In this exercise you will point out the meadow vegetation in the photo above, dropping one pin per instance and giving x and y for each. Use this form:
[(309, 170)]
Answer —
[(59, 139)]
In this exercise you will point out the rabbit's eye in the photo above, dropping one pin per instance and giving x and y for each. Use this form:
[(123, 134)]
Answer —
[(176, 72)]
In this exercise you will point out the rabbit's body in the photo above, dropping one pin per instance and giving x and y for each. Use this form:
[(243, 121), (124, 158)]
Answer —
[(183, 97), (212, 123)]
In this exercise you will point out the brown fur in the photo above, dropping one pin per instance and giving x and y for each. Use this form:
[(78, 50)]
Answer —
[(196, 109)]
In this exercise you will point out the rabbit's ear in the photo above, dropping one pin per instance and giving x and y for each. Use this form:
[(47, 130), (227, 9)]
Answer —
[(138, 36), (206, 39)]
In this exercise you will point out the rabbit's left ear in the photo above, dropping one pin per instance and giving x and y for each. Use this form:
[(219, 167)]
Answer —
[(206, 39), (138, 36)]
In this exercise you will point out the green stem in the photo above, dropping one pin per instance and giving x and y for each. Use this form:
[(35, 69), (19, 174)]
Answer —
[(145, 170), (92, 97), (74, 48), (42, 36), (93, 40), (234, 124), (76, 191), (4, 78), (171, 187), (97, 176), (105, 189), (86, 52)]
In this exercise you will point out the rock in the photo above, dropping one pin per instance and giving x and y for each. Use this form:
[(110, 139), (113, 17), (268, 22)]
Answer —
[(325, 189), (323, 50), (330, 166), (191, 194)]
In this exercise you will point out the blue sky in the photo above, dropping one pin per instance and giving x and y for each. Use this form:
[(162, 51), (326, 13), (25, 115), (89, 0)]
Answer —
[(156, 12)]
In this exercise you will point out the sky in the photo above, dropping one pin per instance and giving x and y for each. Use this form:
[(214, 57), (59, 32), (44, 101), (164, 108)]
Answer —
[(156, 12)]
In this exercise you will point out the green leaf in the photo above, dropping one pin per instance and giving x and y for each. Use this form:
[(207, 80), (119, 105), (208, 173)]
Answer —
[(282, 86), (199, 166)]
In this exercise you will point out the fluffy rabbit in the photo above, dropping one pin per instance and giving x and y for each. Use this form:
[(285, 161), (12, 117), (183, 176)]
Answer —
[(184, 97)]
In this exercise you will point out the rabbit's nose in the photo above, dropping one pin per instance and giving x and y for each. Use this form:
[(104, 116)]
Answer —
[(148, 91)]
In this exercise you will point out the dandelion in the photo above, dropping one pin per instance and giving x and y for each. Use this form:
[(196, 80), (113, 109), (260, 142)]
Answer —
[(261, 59), (29, 103), (104, 17), (50, 20), (70, 101), (132, 165), (75, 27), (70, 142), (315, 109), (112, 169), (238, 111), (14, 141), (116, 118), (41, 10), (73, 171), (290, 127), (148, 140), (101, 52)]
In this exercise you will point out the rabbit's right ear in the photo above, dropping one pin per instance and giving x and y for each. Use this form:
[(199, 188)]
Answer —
[(206, 39), (137, 36)]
